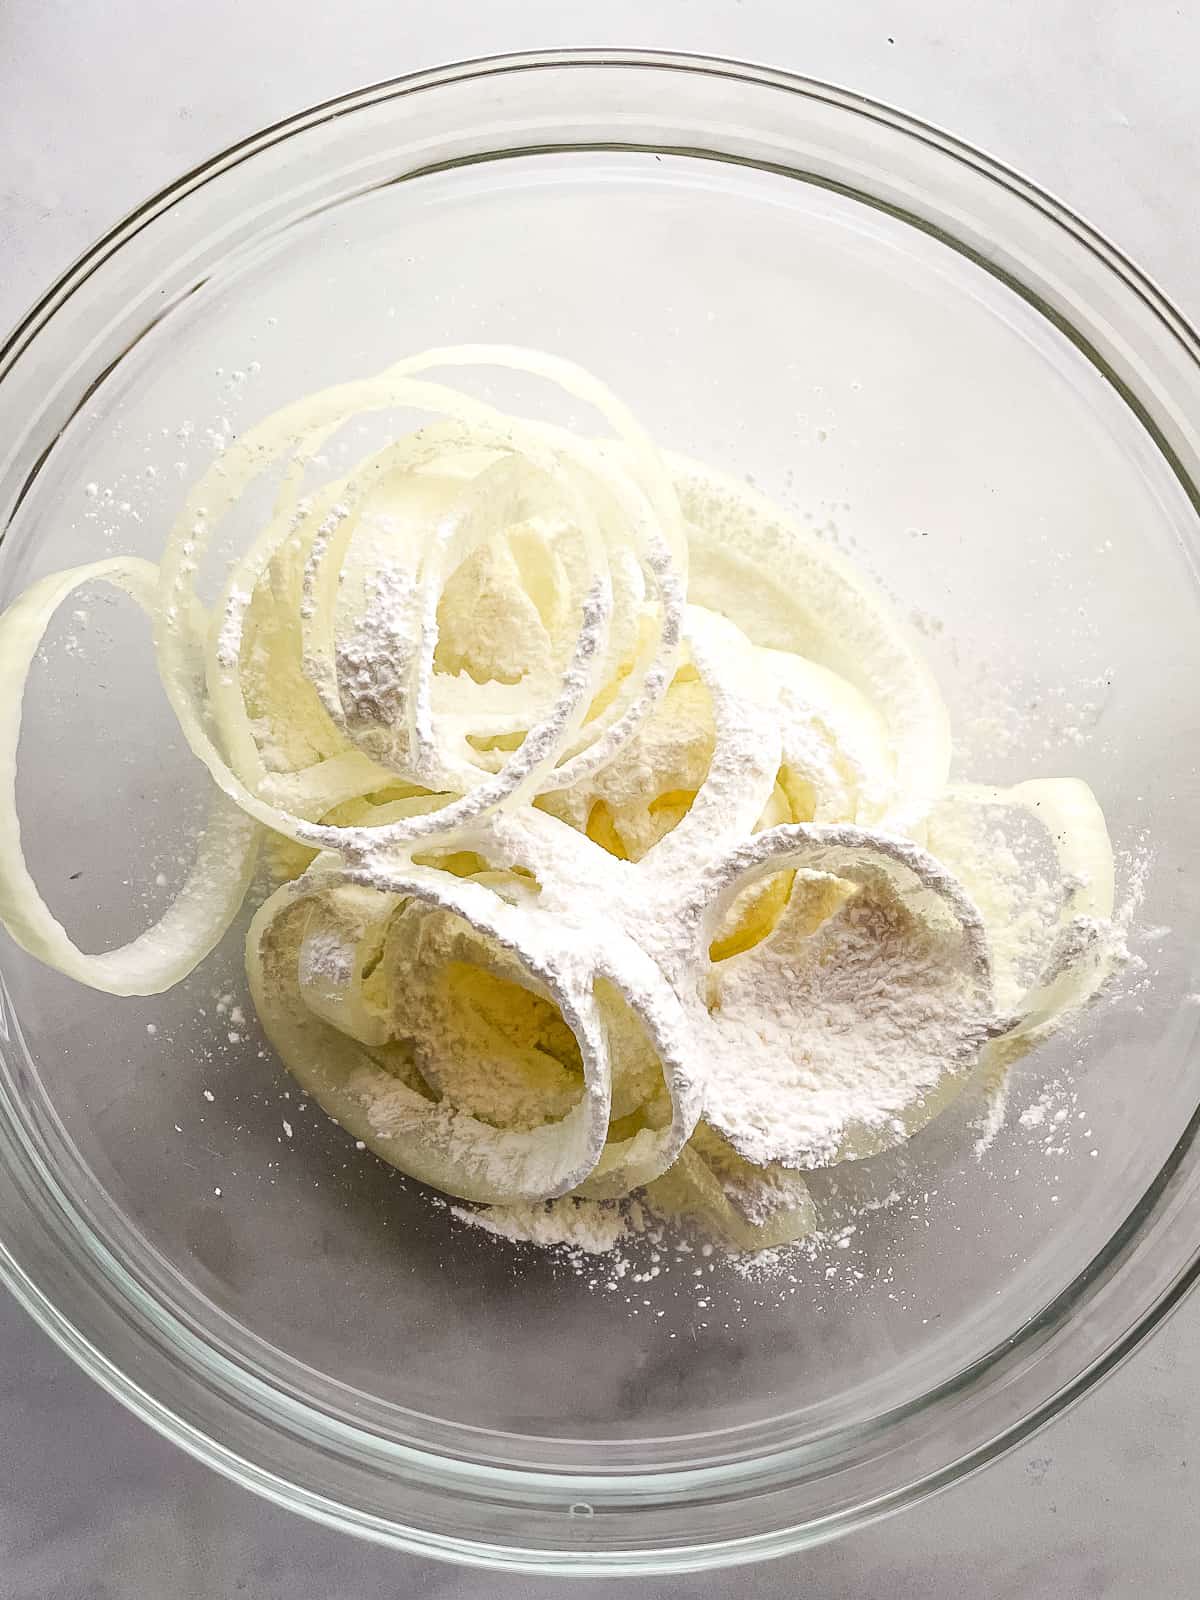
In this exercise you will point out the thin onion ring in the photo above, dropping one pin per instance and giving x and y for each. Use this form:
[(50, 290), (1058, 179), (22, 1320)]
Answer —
[(305, 426), (214, 888)]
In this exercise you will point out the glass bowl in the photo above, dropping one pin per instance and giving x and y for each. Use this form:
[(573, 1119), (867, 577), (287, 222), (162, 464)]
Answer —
[(964, 387)]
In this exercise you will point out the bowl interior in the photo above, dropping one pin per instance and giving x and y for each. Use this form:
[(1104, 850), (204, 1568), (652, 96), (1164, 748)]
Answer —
[(938, 429)]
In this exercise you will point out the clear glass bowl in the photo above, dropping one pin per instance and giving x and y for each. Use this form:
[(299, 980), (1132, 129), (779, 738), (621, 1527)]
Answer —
[(969, 390)]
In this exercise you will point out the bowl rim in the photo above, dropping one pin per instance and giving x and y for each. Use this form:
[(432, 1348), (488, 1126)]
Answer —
[(1166, 1187)]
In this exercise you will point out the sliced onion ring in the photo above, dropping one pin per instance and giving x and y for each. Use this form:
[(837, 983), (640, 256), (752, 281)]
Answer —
[(1082, 949), (434, 1142), (301, 430), (843, 618), (345, 929), (742, 772), (627, 1164), (214, 889), (749, 1207), (848, 853)]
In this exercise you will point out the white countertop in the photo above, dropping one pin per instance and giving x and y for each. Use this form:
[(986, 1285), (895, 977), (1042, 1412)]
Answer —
[(100, 104)]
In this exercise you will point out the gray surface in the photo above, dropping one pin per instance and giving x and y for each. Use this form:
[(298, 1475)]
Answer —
[(102, 103)]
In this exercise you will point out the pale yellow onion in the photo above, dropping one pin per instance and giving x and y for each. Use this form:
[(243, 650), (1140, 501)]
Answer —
[(842, 621), (301, 430), (1081, 951), (624, 1163), (748, 1207), (833, 739), (434, 1142), (345, 930), (854, 855), (184, 548), (212, 893)]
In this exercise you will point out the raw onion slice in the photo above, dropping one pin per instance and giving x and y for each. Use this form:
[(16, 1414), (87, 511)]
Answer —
[(215, 886), (653, 1026), (742, 546), (746, 752), (1073, 940), (377, 1094), (871, 1019), (748, 1207), (299, 432), (341, 948), (836, 764)]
